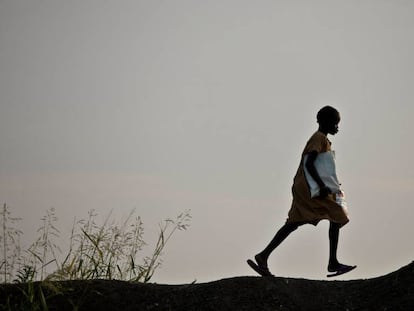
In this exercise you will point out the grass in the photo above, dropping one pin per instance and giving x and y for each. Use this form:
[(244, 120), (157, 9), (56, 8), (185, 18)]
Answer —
[(112, 251)]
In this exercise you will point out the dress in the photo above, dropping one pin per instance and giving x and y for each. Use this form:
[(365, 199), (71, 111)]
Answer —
[(305, 209)]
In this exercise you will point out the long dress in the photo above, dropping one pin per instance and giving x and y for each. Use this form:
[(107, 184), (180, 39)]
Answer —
[(305, 209)]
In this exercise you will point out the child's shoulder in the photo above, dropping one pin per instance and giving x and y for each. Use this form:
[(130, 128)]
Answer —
[(317, 142), (318, 136)]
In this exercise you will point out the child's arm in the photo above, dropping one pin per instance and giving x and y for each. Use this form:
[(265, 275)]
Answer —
[(324, 191)]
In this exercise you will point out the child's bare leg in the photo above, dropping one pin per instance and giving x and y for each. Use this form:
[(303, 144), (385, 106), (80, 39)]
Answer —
[(333, 245), (280, 236)]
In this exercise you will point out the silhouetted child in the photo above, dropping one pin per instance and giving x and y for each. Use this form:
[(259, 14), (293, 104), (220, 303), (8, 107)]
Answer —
[(307, 210)]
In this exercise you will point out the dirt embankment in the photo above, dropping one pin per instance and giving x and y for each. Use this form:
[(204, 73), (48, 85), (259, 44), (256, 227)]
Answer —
[(394, 291)]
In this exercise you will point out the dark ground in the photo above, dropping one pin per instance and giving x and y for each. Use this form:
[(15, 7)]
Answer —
[(394, 291)]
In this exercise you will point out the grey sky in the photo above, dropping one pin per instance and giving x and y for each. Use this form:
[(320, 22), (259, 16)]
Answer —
[(206, 105)]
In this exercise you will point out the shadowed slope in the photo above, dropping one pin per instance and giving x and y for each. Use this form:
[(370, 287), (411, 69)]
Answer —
[(394, 291)]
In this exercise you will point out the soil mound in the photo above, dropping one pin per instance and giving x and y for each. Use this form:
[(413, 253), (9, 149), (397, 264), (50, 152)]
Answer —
[(394, 291)]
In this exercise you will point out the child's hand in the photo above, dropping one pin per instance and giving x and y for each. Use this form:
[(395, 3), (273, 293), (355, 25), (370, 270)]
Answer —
[(323, 193)]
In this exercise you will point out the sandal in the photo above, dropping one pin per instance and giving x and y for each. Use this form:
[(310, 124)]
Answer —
[(340, 269), (262, 270)]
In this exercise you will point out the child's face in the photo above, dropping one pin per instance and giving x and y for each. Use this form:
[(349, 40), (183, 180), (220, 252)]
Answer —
[(334, 129), (332, 126)]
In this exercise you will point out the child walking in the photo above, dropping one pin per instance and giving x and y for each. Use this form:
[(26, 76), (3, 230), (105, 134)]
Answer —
[(308, 210)]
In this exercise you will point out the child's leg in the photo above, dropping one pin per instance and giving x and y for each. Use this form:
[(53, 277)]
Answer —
[(334, 265), (280, 236), (333, 245)]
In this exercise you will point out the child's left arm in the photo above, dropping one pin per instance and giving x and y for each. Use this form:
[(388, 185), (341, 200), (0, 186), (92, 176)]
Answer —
[(324, 190)]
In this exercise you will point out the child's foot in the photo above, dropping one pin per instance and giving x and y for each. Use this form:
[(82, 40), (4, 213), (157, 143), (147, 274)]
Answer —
[(336, 266), (339, 269), (260, 261), (263, 271), (260, 266)]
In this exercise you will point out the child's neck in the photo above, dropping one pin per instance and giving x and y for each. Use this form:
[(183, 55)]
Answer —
[(323, 130)]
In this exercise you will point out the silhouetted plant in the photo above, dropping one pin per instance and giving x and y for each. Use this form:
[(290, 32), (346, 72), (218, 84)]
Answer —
[(9, 244), (107, 251)]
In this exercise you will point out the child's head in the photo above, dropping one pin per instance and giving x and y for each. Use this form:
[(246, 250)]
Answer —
[(328, 119)]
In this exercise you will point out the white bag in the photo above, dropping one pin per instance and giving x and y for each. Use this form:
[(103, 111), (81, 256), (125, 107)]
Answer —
[(341, 201), (325, 165)]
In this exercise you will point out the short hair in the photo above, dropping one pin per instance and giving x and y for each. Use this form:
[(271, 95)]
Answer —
[(326, 114)]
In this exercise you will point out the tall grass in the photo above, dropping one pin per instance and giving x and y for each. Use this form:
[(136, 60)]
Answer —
[(110, 250), (9, 243)]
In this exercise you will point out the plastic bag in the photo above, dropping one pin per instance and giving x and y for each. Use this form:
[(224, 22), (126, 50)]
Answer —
[(326, 167)]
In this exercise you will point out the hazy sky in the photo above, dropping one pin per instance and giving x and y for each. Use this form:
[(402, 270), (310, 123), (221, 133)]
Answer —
[(165, 106)]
